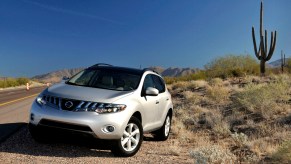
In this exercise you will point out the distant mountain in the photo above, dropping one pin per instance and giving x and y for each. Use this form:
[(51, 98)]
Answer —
[(277, 63), (158, 69), (174, 72), (56, 76)]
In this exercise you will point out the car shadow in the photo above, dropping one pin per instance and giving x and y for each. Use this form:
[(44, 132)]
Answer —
[(61, 145), (65, 146), (8, 129)]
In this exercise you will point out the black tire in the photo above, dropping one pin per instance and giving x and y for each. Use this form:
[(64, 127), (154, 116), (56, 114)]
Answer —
[(163, 133), (39, 134), (126, 149)]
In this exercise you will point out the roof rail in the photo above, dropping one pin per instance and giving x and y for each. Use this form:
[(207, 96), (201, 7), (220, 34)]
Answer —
[(148, 69), (101, 64)]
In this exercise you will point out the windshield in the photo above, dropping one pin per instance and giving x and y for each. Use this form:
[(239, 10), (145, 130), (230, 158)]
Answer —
[(106, 79)]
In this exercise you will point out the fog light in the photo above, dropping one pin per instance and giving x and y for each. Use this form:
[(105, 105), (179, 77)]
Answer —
[(31, 116), (108, 129)]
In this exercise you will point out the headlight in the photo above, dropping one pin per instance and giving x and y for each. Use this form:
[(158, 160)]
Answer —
[(40, 101), (110, 108), (103, 108)]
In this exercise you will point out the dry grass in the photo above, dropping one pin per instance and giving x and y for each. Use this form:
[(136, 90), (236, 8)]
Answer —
[(218, 94), (283, 154), (242, 123), (266, 99)]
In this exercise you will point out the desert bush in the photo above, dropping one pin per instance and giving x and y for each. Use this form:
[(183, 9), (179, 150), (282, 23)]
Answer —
[(217, 94), (200, 75), (212, 154), (263, 98), (181, 85), (288, 65), (192, 85), (232, 66), (283, 154), (22, 80), (221, 128), (170, 80), (240, 139), (12, 82), (216, 82)]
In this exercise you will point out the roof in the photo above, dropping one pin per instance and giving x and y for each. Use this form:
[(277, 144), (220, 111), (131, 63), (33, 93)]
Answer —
[(125, 69)]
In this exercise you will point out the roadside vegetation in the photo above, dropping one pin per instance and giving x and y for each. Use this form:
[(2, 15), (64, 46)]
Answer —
[(13, 82), (232, 115)]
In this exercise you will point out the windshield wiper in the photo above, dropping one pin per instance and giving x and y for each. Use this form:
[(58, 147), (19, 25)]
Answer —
[(70, 83)]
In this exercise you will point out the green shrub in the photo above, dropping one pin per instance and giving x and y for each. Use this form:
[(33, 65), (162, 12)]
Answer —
[(12, 82), (22, 80), (232, 66), (288, 65), (200, 75)]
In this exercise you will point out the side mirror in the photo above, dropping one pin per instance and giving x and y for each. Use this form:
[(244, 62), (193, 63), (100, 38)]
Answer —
[(65, 78), (150, 91)]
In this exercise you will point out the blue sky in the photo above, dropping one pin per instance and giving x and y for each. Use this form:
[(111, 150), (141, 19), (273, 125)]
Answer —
[(39, 36)]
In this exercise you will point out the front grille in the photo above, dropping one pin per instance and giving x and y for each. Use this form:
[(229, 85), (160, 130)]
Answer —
[(62, 125), (52, 101), (68, 104), (64, 103)]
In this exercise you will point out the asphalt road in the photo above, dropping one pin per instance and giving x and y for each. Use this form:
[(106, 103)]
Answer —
[(7, 96), (14, 109)]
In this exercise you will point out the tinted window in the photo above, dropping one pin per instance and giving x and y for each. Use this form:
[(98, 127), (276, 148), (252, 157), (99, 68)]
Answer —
[(148, 82), (155, 82), (106, 79), (159, 84)]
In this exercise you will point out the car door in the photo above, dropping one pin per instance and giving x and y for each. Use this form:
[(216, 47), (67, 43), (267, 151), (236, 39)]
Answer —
[(150, 104), (163, 97)]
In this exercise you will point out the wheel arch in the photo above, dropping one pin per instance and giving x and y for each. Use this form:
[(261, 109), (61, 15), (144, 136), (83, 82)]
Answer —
[(137, 115), (170, 112)]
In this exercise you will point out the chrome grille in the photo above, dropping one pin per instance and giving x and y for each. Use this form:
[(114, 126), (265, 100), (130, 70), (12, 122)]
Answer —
[(52, 101), (78, 105)]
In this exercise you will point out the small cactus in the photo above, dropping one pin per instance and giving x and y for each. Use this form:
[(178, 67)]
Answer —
[(262, 53), (283, 61)]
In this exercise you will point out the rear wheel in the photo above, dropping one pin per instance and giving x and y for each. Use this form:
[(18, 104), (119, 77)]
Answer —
[(129, 144), (163, 133)]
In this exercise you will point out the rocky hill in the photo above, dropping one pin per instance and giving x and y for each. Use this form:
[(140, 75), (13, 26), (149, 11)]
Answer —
[(56, 76), (276, 63)]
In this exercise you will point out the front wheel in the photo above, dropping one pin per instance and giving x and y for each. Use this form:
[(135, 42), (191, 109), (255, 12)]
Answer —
[(129, 144), (163, 133)]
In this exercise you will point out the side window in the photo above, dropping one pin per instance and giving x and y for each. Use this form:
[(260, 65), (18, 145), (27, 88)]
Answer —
[(148, 82), (159, 83)]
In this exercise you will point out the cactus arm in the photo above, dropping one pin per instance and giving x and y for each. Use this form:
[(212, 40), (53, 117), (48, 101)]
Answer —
[(255, 44), (266, 42), (272, 49)]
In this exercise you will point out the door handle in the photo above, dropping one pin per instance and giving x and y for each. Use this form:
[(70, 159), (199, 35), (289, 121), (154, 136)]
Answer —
[(167, 99), (157, 102)]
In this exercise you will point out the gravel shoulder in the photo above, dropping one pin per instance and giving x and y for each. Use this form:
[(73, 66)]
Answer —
[(21, 148)]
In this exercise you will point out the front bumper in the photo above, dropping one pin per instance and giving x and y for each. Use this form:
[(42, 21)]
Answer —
[(87, 122)]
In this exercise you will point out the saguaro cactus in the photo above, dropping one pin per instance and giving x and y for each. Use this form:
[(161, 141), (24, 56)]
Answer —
[(262, 53), (283, 61)]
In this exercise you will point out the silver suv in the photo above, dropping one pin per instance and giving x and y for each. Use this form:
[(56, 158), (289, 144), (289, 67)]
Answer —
[(107, 102)]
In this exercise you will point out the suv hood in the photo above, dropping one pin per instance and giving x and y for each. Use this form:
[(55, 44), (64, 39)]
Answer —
[(86, 93)]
